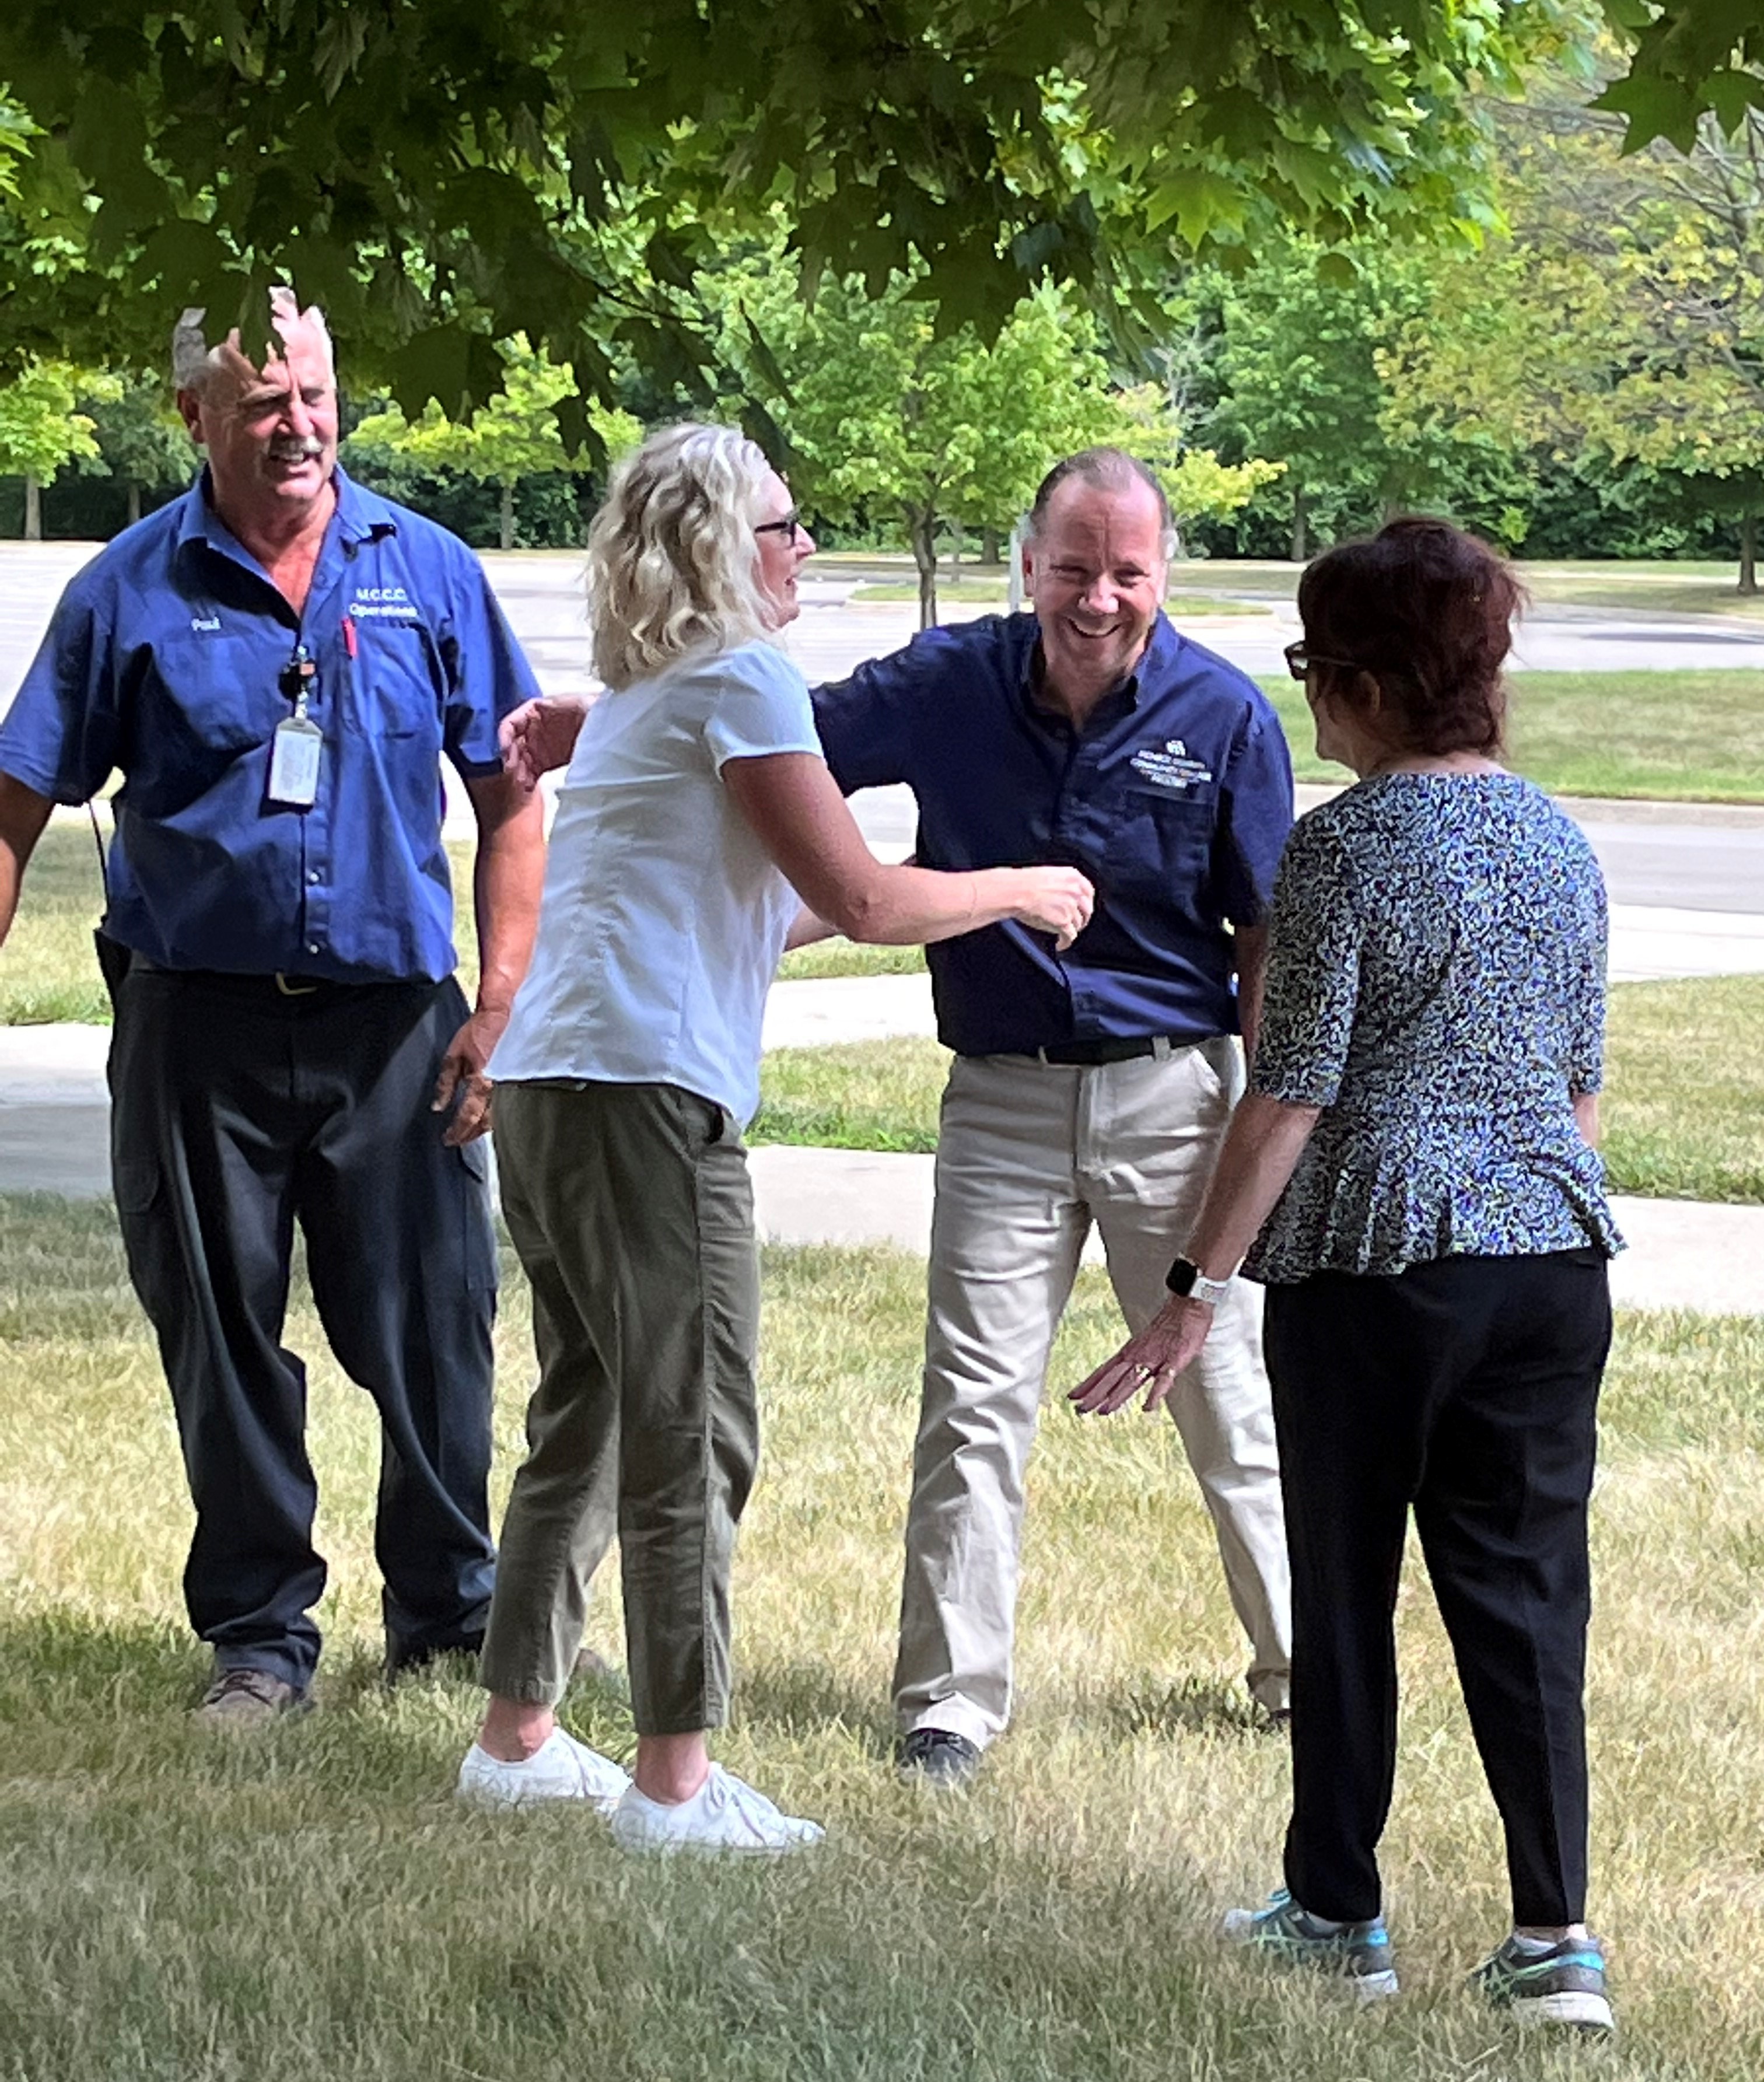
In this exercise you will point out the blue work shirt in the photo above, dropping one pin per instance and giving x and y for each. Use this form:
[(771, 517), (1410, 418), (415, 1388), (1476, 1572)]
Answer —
[(167, 659), (1175, 799)]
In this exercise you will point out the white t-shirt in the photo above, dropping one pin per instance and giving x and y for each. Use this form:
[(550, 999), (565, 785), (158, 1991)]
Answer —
[(663, 916)]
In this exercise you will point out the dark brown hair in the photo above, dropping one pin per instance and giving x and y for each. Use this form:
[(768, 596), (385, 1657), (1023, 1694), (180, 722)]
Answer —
[(1427, 610)]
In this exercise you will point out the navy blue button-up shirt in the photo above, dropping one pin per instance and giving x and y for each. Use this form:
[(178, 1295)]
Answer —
[(167, 659), (1175, 799)]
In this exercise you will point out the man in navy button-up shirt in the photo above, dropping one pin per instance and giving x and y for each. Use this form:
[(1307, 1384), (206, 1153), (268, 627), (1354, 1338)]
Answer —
[(1091, 1086), (275, 663)]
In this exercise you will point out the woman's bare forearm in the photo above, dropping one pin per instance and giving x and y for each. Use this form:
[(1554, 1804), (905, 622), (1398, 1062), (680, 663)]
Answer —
[(803, 823), (1260, 1152)]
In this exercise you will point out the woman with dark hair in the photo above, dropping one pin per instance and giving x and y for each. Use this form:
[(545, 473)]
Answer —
[(1412, 1176), (696, 810)]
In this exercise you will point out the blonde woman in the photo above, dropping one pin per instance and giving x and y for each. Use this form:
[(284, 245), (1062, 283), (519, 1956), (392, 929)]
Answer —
[(696, 812)]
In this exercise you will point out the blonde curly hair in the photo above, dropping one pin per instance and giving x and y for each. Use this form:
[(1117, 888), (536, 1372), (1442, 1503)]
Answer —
[(673, 566)]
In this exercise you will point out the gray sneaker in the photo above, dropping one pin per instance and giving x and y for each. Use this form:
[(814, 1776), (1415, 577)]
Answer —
[(1358, 1952), (246, 1698), (1563, 1985)]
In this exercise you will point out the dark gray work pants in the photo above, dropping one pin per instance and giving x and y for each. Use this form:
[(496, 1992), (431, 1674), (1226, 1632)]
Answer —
[(237, 1111)]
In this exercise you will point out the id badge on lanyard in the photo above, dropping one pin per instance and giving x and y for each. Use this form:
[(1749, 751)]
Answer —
[(295, 747)]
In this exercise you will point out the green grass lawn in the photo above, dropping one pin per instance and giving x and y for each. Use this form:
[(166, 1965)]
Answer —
[(312, 1905), (846, 958), (1676, 737), (1644, 587), (1683, 1113), (1615, 734), (48, 971)]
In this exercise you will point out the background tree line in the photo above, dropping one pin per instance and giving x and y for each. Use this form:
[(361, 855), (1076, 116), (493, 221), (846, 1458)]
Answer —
[(1565, 353)]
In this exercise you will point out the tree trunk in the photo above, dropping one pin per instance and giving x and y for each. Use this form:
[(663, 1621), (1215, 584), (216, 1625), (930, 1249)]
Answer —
[(1748, 552), (134, 502), (33, 509), (507, 531), (989, 545), (955, 545), (1300, 545), (922, 531)]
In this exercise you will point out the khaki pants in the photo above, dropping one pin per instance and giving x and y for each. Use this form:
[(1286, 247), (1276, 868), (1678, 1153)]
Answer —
[(631, 1209), (1028, 1155)]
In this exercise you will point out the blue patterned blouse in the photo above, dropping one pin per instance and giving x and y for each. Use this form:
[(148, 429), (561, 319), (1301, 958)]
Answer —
[(1436, 984)]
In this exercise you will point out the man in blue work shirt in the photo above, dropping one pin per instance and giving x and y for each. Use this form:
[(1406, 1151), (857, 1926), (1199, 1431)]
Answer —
[(276, 663), (1090, 1086)]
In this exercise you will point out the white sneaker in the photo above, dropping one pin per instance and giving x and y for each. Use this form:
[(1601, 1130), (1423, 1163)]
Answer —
[(725, 1813), (560, 1768)]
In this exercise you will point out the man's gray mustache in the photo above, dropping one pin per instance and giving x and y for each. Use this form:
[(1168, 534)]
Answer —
[(297, 451)]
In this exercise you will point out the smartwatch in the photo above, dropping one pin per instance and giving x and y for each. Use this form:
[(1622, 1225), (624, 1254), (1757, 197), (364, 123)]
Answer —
[(1186, 1277)]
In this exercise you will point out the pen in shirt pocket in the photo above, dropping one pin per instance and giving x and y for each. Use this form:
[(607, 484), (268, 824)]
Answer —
[(349, 653)]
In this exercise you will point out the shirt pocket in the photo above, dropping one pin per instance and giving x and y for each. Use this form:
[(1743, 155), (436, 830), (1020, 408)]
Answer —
[(396, 681), (1165, 839), (198, 704)]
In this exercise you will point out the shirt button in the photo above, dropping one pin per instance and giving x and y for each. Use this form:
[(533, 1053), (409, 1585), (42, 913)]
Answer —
[(312, 946), (313, 876)]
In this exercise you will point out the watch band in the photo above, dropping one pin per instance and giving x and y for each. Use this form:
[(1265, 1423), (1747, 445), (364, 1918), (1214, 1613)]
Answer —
[(1185, 1277)]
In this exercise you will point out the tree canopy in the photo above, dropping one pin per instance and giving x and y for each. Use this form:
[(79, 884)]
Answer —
[(445, 174), (515, 435), (40, 430), (1624, 318)]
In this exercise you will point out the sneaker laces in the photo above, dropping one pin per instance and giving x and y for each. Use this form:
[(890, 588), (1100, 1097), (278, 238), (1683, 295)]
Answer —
[(747, 1803), (242, 1678)]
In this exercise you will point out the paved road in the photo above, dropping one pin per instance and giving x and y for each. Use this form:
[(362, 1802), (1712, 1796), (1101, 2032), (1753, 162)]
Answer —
[(1714, 866), (1709, 860), (541, 592)]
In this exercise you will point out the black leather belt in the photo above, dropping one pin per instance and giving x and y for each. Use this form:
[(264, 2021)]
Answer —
[(275, 986), (1106, 1048)]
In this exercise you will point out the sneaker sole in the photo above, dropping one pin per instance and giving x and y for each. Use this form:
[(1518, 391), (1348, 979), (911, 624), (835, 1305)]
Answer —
[(238, 1723), (1372, 1987), (1580, 2010), (1237, 1926), (669, 1847), (478, 1796)]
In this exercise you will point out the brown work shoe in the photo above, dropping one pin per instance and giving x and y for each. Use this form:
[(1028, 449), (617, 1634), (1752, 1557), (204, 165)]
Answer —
[(246, 1698)]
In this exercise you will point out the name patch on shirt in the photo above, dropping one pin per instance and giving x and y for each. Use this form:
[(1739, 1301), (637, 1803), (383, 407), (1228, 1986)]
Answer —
[(1169, 766), (381, 602)]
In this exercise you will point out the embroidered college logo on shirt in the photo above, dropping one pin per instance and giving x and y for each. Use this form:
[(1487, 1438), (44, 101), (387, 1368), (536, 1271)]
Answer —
[(380, 602), (1169, 766)]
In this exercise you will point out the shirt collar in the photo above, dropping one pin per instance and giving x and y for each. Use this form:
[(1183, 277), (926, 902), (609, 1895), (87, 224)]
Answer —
[(1121, 698), (362, 515)]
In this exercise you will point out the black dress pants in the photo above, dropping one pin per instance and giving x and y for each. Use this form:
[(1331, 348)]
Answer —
[(237, 1111), (1467, 1389)]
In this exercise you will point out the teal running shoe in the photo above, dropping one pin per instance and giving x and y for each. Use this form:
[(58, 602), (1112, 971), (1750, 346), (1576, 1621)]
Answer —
[(1563, 1985), (1358, 1952)]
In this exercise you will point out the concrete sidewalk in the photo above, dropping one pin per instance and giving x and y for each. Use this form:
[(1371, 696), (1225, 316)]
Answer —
[(1681, 1254), (54, 1137)]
